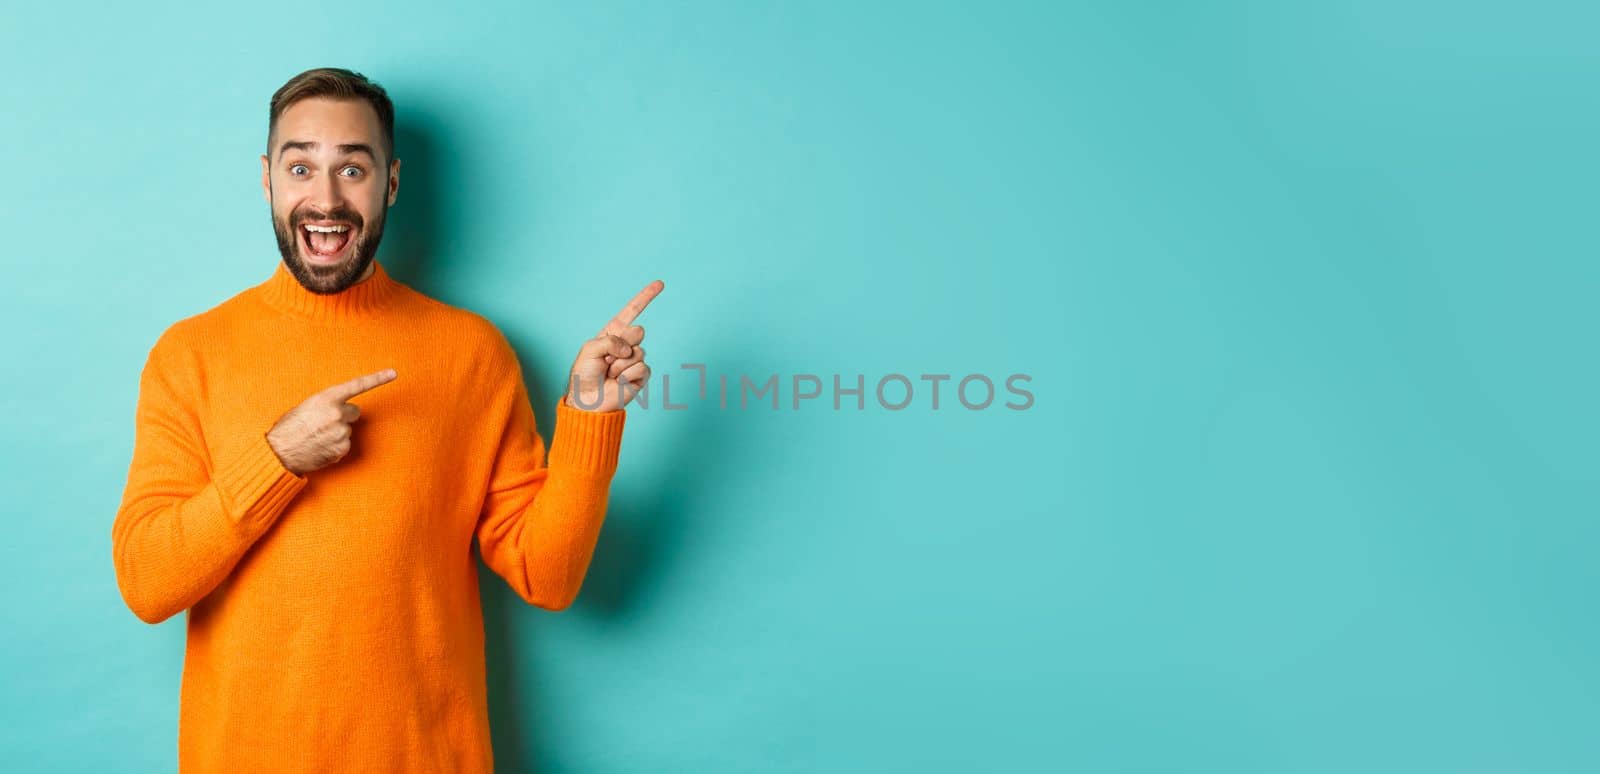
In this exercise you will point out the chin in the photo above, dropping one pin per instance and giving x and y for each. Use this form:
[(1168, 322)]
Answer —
[(328, 277), (322, 268)]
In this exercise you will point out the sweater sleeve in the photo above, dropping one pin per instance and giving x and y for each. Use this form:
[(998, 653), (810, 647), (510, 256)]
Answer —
[(184, 522), (539, 525)]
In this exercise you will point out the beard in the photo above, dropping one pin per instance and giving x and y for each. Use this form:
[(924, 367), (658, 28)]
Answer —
[(329, 279)]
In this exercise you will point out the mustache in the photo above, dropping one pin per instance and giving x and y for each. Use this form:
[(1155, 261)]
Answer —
[(340, 214)]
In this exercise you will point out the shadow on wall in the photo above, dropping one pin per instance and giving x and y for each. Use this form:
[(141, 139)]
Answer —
[(650, 524), (411, 238), (643, 534)]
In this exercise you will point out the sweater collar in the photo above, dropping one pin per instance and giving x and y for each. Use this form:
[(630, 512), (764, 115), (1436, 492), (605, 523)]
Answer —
[(364, 299)]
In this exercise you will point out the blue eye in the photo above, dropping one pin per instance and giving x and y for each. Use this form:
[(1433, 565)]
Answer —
[(357, 169), (295, 167)]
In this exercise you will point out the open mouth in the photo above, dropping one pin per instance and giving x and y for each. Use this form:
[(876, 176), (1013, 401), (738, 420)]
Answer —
[(326, 243)]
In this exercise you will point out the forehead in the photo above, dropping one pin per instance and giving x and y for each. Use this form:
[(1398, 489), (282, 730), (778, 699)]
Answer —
[(330, 122)]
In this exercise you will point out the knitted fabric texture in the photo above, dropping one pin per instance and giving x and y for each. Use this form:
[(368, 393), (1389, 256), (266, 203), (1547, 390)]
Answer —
[(334, 621)]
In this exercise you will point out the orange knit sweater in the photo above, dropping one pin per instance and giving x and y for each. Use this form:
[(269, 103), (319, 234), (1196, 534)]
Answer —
[(334, 621)]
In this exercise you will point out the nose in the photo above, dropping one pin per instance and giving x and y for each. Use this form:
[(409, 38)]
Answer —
[(325, 194)]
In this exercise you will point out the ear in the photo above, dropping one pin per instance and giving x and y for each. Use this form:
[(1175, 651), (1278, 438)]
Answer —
[(266, 180), (394, 180)]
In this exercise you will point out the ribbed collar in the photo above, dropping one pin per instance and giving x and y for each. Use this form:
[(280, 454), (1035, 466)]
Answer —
[(364, 299)]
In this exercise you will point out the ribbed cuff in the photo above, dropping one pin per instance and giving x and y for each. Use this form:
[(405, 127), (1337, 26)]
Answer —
[(254, 484), (589, 440)]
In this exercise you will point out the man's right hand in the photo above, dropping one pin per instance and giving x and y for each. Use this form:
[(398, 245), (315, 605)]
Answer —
[(316, 433)]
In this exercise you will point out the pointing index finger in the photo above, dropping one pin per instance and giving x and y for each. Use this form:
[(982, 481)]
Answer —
[(625, 317), (360, 384)]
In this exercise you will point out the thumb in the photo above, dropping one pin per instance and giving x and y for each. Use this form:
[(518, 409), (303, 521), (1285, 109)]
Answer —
[(605, 344)]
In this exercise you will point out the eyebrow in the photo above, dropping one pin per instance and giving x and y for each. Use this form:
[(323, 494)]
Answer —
[(305, 145)]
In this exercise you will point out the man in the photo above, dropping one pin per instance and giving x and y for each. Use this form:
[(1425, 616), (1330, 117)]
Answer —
[(326, 563)]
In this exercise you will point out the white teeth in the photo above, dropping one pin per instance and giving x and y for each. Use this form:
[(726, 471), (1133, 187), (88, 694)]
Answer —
[(327, 229)]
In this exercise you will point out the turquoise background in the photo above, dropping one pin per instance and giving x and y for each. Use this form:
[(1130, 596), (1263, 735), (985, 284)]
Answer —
[(1306, 292)]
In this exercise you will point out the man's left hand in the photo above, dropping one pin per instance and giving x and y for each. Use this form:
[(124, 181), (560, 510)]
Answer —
[(610, 368)]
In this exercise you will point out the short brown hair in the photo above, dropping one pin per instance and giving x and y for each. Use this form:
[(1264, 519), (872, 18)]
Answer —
[(336, 83)]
